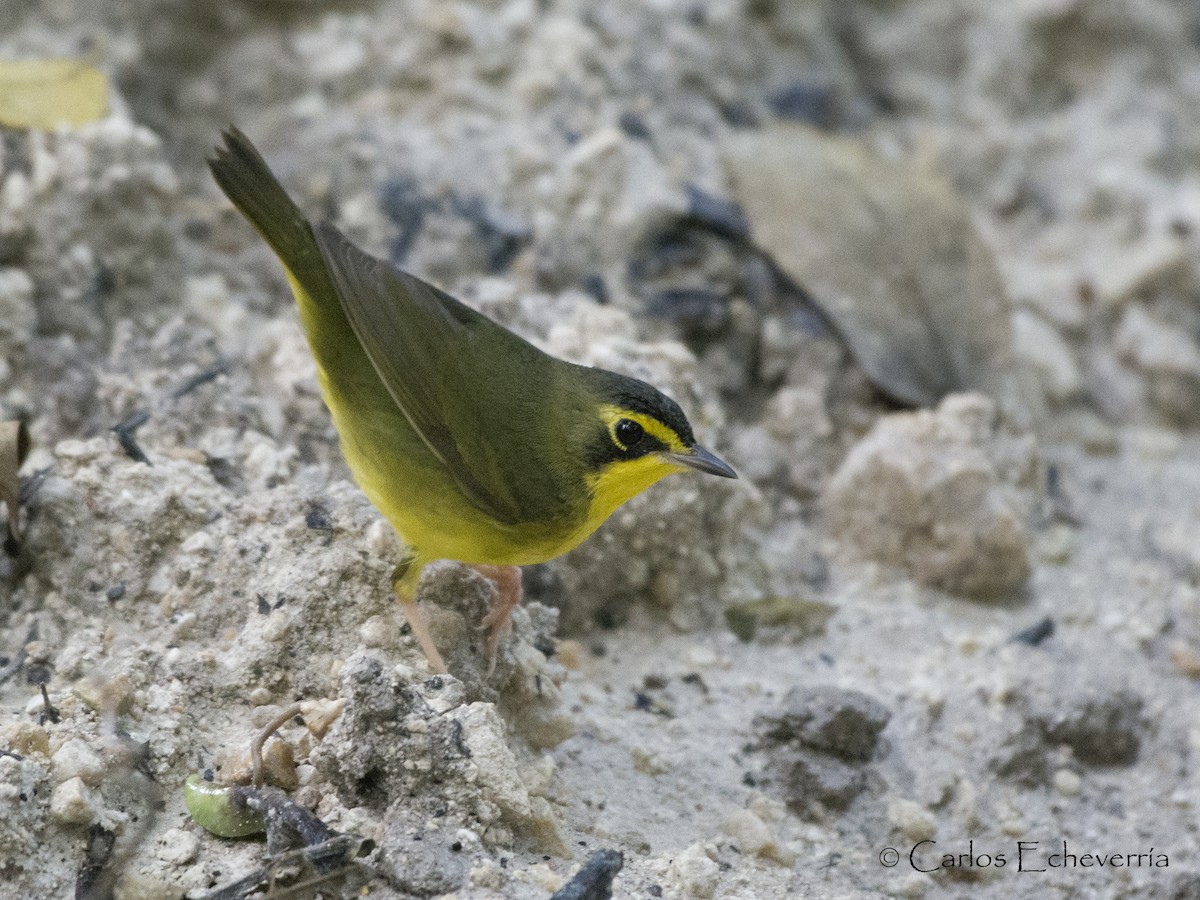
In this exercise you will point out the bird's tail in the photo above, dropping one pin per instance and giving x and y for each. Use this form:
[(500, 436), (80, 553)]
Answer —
[(248, 181)]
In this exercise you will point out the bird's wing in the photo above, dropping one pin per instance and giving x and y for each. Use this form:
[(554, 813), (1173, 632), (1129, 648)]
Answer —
[(437, 358)]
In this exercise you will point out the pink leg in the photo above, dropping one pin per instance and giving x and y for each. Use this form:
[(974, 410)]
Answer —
[(404, 582), (419, 623), (498, 621)]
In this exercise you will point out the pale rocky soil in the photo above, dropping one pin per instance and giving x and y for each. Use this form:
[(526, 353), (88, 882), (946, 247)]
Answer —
[(974, 623)]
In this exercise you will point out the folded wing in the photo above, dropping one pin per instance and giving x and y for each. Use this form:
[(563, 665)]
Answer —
[(472, 390)]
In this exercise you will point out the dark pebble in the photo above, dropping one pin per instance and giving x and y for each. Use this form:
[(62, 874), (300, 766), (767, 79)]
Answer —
[(1035, 633), (401, 200), (634, 126), (1102, 730), (594, 880), (840, 722), (804, 102), (818, 778)]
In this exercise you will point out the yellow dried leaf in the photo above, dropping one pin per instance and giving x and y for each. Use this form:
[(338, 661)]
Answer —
[(45, 93)]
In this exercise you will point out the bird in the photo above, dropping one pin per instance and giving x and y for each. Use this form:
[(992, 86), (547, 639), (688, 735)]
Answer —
[(473, 444)]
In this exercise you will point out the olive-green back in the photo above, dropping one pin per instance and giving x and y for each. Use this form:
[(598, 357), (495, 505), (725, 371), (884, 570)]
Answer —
[(508, 422), (487, 403)]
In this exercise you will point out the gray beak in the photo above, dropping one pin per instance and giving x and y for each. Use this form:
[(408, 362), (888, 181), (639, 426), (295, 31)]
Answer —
[(702, 461)]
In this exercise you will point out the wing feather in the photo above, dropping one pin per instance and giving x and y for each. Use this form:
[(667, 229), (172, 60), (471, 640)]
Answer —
[(432, 352)]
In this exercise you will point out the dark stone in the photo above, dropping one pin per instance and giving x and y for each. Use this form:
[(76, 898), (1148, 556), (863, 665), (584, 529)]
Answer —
[(1022, 757), (1035, 633), (739, 114), (841, 722), (317, 518), (225, 473), (634, 126), (1101, 730), (595, 286), (804, 101), (594, 880), (664, 252), (401, 200), (813, 778)]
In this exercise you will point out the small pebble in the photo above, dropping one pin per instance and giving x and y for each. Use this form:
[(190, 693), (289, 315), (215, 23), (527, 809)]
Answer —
[(542, 876), (72, 803), (912, 819), (1067, 783), (967, 644), (260, 696), (381, 632), (694, 873), (279, 766), (571, 654), (701, 657), (381, 538), (26, 738), (1056, 545), (75, 759), (489, 875), (751, 835), (178, 847), (1014, 827)]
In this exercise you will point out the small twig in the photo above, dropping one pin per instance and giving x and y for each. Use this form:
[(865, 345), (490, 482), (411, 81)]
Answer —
[(204, 377), (330, 859), (125, 436), (51, 711), (256, 746), (127, 429)]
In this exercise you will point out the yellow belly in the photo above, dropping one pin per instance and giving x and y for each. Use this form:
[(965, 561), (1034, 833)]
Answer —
[(413, 491)]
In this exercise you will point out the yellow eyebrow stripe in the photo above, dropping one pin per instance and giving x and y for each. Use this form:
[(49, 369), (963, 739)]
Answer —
[(614, 414)]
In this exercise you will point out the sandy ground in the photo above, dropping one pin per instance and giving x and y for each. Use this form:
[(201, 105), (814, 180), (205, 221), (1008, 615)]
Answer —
[(923, 271)]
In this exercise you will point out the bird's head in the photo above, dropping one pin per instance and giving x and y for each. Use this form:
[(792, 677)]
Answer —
[(638, 436)]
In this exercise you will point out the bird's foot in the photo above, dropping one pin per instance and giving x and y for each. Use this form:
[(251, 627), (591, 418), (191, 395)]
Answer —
[(498, 621), (418, 621)]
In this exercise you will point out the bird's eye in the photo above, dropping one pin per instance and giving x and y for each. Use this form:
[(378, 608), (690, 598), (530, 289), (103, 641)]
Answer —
[(628, 433)]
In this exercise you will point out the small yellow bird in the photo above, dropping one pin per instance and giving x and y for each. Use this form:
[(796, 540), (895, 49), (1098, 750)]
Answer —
[(475, 445)]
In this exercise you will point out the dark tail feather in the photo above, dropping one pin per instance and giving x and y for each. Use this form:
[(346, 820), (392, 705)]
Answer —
[(248, 181)]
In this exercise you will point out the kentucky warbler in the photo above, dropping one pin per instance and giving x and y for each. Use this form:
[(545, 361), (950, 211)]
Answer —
[(475, 445)]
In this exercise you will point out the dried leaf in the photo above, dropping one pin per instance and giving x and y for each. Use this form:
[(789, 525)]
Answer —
[(46, 93), (14, 447), (889, 253)]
